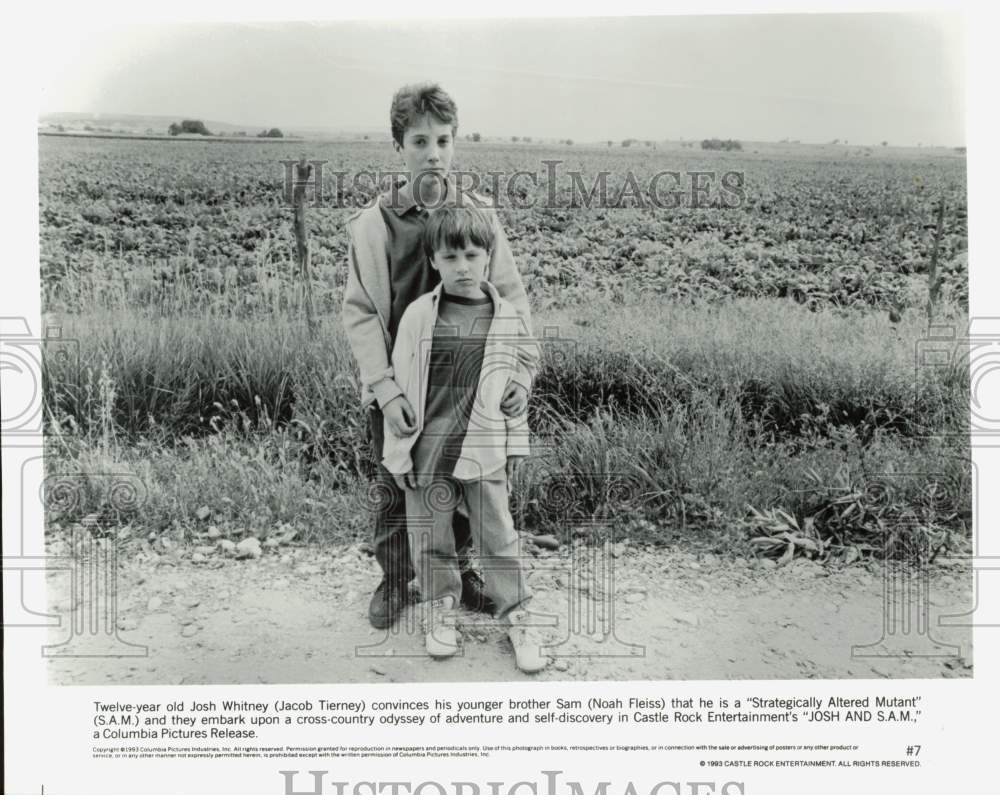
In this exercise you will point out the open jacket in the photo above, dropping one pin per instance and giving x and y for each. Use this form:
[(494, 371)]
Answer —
[(491, 436), (367, 298)]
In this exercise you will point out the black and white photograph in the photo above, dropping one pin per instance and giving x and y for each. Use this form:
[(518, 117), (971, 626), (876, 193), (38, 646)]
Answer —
[(592, 349)]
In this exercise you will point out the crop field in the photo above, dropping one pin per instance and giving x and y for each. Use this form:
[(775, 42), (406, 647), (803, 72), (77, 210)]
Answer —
[(742, 375)]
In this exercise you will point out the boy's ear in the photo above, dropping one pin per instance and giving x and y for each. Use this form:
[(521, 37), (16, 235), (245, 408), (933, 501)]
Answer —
[(397, 146)]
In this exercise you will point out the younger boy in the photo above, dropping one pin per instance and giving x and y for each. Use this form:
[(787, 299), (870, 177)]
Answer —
[(388, 270), (458, 347)]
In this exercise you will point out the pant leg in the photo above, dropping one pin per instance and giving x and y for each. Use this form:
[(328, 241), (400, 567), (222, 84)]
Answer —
[(463, 541), (498, 542), (392, 548), (429, 511)]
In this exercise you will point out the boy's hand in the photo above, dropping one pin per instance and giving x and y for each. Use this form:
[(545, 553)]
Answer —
[(512, 464), (400, 416), (407, 480), (515, 400)]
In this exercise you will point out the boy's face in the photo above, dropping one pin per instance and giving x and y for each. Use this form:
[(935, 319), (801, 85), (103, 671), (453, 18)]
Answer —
[(462, 269), (428, 147)]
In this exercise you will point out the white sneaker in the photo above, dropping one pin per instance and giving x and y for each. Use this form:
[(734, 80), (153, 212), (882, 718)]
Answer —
[(527, 641), (441, 638)]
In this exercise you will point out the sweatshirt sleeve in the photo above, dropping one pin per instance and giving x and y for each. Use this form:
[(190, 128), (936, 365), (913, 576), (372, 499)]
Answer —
[(364, 334), (396, 450), (518, 435), (505, 277)]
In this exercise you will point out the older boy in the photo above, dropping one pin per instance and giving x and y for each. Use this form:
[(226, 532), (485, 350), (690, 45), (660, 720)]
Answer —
[(388, 270)]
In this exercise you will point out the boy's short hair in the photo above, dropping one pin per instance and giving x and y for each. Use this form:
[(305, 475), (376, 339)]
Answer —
[(412, 102), (457, 227)]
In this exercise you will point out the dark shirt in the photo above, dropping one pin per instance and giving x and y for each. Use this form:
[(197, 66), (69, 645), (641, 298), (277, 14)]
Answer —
[(410, 273), (456, 361)]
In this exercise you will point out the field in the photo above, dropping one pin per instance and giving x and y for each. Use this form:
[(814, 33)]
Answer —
[(736, 378)]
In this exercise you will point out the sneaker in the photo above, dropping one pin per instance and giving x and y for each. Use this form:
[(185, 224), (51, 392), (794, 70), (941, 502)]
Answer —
[(527, 642), (474, 593), (387, 603), (441, 637)]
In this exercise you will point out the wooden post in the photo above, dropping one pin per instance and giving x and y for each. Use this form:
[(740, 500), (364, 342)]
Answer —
[(933, 283), (303, 171)]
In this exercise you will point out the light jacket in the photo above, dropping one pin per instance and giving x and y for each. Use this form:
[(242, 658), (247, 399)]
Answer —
[(491, 437), (367, 298)]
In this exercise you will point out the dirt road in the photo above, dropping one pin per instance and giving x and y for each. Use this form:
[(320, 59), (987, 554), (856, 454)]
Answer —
[(298, 615)]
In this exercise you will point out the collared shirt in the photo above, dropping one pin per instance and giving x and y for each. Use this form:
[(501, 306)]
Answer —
[(410, 272)]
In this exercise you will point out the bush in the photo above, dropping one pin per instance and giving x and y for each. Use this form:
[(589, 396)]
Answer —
[(274, 132), (188, 126), (728, 145)]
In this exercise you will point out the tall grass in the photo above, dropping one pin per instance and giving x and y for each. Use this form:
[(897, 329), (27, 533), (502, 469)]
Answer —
[(687, 421), (790, 369)]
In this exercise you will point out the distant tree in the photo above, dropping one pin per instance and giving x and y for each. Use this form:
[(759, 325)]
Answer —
[(835, 141), (476, 137), (627, 142), (194, 126), (526, 139), (729, 145), (191, 126), (885, 143), (569, 142), (515, 138), (274, 132), (611, 143)]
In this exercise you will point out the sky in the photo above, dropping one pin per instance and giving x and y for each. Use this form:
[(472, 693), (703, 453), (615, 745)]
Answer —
[(863, 78)]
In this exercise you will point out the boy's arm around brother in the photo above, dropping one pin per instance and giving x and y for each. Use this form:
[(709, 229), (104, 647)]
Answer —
[(496, 436), (367, 298)]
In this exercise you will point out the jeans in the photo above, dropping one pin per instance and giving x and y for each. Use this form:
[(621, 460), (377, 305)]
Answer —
[(392, 548), (432, 543)]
